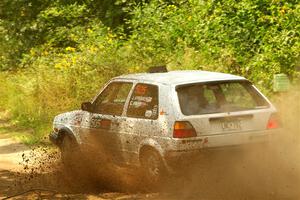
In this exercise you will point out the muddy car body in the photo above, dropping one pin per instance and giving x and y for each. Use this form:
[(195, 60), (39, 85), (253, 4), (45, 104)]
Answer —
[(157, 119)]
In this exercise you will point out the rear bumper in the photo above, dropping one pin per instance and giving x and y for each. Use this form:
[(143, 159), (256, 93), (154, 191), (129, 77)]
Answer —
[(178, 161), (202, 149), (244, 138)]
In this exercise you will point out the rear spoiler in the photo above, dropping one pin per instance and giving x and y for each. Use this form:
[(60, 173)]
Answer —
[(213, 82)]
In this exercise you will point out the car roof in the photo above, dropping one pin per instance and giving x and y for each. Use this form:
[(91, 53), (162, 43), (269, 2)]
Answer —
[(181, 77)]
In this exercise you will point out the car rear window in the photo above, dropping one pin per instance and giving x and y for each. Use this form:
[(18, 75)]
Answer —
[(230, 96)]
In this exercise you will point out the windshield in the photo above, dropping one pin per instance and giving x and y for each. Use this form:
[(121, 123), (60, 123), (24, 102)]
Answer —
[(203, 98)]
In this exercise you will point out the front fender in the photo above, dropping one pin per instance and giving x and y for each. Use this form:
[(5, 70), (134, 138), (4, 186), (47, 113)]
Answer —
[(69, 132), (57, 137)]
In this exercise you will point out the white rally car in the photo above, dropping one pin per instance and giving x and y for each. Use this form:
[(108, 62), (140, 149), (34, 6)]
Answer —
[(156, 120)]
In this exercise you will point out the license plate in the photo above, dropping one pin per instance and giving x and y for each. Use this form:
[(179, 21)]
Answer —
[(231, 125)]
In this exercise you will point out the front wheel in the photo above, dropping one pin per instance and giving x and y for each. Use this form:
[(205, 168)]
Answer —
[(69, 152)]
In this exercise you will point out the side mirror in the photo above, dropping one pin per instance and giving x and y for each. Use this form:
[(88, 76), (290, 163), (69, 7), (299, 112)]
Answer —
[(87, 106)]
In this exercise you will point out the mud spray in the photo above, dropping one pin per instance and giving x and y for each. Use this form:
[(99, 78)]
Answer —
[(260, 172)]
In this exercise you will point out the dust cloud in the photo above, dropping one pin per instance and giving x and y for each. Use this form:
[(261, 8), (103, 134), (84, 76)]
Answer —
[(268, 171)]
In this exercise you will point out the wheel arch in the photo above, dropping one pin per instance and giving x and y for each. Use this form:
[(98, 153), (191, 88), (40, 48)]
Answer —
[(151, 144), (63, 132)]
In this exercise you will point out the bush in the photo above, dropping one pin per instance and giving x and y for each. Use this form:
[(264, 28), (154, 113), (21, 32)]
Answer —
[(75, 51)]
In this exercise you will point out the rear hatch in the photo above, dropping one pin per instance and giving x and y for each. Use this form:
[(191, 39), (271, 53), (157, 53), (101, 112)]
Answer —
[(224, 107)]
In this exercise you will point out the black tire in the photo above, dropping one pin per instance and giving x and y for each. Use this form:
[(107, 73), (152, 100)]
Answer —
[(69, 153), (75, 165), (152, 166)]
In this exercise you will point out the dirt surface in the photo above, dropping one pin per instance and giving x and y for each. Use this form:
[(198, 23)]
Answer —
[(258, 172), (37, 173)]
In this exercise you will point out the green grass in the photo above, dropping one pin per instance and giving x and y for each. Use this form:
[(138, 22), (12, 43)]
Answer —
[(27, 136)]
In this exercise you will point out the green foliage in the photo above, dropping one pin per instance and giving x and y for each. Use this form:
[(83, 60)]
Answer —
[(56, 54), (255, 39), (27, 24)]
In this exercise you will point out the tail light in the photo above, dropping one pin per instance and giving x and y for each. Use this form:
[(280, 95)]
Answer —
[(273, 122), (183, 129)]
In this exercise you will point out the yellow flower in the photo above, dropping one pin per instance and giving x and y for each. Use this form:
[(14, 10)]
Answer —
[(67, 64), (93, 49), (74, 59), (58, 66), (90, 30), (32, 52), (101, 46), (111, 35), (172, 7), (72, 49)]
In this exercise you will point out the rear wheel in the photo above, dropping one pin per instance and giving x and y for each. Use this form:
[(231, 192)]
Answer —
[(152, 166)]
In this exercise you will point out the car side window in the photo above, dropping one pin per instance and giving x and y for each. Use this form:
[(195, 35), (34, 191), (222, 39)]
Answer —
[(144, 102), (112, 99)]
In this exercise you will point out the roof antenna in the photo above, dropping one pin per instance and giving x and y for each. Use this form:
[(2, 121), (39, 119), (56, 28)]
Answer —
[(158, 69)]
